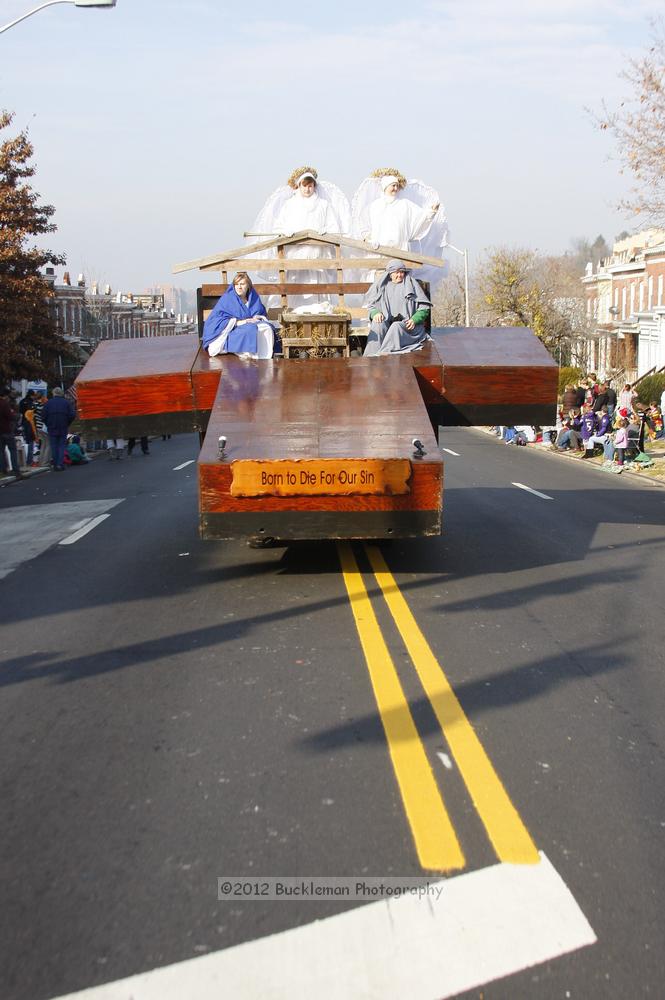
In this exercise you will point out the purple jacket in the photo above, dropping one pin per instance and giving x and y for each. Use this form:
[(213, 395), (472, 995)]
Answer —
[(604, 424), (588, 424)]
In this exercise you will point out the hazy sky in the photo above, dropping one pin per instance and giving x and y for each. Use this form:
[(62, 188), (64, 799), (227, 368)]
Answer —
[(160, 127)]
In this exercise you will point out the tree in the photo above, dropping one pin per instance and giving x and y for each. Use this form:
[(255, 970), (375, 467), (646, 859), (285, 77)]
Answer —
[(523, 288), (639, 128), (29, 343), (448, 302)]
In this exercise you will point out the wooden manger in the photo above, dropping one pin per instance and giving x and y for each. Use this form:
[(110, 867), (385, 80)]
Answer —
[(324, 335)]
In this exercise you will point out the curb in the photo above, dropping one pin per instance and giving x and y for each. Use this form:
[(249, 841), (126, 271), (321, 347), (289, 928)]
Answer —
[(590, 463)]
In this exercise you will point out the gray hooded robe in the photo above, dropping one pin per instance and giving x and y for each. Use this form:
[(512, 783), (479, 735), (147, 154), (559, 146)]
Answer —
[(398, 301)]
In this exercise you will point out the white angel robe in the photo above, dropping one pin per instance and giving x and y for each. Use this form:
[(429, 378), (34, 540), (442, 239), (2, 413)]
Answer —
[(395, 222), (306, 213), (314, 213)]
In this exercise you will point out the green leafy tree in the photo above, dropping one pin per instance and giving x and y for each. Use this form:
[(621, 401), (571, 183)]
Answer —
[(29, 343), (650, 387), (523, 288)]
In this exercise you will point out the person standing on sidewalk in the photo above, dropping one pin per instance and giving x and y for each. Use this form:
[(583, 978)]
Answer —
[(589, 425), (58, 415), (621, 442), (131, 444), (8, 418), (29, 431), (42, 433)]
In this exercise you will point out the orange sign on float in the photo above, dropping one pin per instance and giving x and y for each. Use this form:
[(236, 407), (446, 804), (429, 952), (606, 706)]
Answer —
[(322, 477)]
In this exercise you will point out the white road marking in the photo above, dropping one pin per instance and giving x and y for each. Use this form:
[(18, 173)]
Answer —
[(456, 453), (184, 465), (27, 531), (84, 530), (79, 524), (484, 925), (445, 760), (521, 486)]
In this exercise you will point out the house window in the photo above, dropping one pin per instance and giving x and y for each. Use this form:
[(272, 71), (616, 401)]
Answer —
[(650, 299), (623, 302), (641, 296), (660, 289), (632, 297)]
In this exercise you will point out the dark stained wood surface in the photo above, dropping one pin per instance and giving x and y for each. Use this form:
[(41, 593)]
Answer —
[(493, 375), (141, 356), (318, 410), (466, 376), (126, 378), (502, 346), (206, 373)]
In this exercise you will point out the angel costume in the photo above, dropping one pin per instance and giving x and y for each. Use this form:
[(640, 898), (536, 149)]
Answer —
[(406, 220), (223, 334), (287, 212), (397, 301)]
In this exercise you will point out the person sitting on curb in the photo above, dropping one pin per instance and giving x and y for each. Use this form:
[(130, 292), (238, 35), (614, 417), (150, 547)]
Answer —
[(604, 425), (570, 434), (74, 453), (589, 426)]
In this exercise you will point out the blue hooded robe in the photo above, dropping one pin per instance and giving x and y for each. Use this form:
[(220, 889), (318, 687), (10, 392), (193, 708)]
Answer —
[(240, 340)]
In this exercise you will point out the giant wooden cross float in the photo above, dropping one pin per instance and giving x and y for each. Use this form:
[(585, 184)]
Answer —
[(316, 447)]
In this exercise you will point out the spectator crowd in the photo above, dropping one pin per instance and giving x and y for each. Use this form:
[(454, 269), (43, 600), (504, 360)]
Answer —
[(34, 432), (592, 418)]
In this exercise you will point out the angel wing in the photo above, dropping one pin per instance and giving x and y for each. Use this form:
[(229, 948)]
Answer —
[(369, 191), (339, 202), (266, 220), (437, 235)]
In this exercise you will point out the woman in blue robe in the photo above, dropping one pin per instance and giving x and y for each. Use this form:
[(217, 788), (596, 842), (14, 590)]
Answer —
[(238, 323)]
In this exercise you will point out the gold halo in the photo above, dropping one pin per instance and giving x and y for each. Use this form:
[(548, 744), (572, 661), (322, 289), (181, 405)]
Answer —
[(298, 172), (390, 172)]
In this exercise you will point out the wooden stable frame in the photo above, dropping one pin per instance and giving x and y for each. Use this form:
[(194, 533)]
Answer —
[(244, 259)]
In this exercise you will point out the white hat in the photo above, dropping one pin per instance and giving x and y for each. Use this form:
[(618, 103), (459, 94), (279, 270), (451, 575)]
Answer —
[(387, 180), (303, 176)]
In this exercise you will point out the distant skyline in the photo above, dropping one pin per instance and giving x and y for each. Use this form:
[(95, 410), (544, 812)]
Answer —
[(160, 128)]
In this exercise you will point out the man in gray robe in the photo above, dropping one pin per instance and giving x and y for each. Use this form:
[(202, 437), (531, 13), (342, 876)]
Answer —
[(398, 308)]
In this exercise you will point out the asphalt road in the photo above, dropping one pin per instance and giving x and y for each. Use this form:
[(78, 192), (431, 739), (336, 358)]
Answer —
[(175, 710)]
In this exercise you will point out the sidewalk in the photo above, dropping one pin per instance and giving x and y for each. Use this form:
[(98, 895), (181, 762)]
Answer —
[(7, 478), (654, 474)]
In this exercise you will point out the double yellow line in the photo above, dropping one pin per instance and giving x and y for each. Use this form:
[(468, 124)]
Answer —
[(436, 842)]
